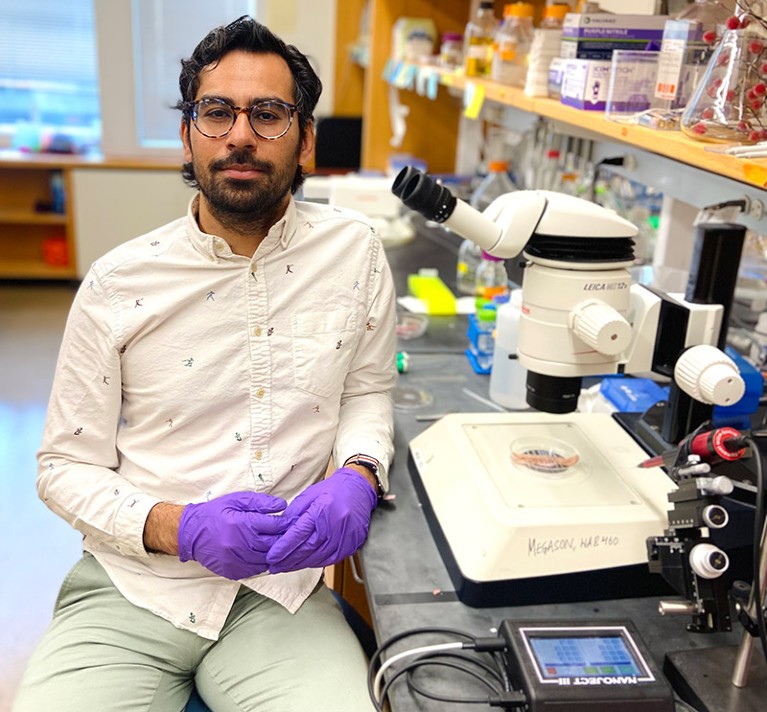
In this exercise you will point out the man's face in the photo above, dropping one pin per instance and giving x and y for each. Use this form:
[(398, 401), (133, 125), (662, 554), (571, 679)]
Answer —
[(241, 173)]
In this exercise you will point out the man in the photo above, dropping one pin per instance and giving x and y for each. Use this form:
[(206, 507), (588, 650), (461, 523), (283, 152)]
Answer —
[(208, 373)]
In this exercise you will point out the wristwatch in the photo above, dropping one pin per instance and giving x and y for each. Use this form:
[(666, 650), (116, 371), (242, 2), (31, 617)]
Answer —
[(369, 463)]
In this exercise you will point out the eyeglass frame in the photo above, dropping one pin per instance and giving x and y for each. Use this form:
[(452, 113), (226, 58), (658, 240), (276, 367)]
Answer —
[(191, 107)]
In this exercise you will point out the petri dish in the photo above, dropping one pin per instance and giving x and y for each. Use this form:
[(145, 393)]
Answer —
[(411, 326)]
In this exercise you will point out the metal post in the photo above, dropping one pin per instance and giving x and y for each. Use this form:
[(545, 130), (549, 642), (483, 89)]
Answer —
[(743, 658)]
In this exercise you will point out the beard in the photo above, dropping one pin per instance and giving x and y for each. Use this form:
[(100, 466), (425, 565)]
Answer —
[(244, 204)]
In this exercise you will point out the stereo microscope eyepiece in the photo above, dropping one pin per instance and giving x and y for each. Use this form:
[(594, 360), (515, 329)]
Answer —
[(423, 194)]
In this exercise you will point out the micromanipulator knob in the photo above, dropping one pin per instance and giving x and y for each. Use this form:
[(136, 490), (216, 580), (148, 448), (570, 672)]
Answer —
[(708, 375), (715, 516), (708, 561)]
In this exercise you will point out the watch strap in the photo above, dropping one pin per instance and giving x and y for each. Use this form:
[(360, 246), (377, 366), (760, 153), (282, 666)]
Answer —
[(369, 463)]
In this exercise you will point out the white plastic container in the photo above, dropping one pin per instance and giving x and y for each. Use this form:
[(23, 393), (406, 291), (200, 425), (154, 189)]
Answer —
[(512, 43), (508, 378)]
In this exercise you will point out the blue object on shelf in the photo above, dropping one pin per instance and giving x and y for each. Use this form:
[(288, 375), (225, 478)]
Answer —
[(632, 395), (739, 414), (481, 363), (481, 343)]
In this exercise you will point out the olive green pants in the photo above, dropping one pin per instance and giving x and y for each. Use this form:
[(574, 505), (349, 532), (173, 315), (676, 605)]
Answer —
[(103, 654)]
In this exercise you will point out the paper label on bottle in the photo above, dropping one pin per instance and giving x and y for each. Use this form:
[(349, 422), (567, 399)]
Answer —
[(670, 62)]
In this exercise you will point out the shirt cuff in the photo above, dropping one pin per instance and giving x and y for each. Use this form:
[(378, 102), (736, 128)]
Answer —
[(130, 521)]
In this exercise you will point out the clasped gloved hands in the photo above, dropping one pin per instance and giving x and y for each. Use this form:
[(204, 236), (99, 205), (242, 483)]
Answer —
[(244, 534), (231, 535), (329, 521)]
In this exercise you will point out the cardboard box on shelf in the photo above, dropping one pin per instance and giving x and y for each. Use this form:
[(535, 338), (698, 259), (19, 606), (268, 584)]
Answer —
[(585, 84), (595, 36)]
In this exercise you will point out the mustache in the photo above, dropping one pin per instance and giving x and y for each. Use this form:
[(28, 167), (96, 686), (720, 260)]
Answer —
[(242, 158)]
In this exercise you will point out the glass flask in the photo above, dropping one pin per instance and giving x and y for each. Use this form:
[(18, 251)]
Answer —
[(729, 102)]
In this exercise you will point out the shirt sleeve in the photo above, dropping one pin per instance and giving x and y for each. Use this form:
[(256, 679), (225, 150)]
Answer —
[(78, 460), (366, 419)]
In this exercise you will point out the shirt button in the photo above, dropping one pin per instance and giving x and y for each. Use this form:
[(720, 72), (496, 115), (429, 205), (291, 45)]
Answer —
[(257, 331), (259, 454), (260, 393)]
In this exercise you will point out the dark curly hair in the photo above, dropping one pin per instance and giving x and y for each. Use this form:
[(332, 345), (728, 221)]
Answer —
[(247, 34)]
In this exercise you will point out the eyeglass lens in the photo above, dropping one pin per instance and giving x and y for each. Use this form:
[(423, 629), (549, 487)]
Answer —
[(215, 117)]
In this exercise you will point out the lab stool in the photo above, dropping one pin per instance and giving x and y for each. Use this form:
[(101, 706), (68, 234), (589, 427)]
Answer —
[(356, 622)]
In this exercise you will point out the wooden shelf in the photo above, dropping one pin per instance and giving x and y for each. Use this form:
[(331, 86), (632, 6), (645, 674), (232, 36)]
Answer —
[(25, 233), (671, 144), (12, 269), (30, 217)]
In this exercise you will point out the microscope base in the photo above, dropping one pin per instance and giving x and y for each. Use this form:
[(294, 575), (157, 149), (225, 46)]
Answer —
[(702, 678), (512, 529)]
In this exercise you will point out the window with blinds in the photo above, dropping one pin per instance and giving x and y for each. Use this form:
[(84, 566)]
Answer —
[(48, 74), (164, 32)]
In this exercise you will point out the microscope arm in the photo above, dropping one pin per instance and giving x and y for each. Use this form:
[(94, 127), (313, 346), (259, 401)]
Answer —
[(674, 338)]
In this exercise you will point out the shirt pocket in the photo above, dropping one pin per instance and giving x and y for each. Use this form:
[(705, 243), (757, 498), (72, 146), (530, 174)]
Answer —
[(323, 345)]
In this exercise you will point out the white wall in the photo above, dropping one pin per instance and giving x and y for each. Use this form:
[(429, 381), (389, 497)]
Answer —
[(111, 206), (309, 24)]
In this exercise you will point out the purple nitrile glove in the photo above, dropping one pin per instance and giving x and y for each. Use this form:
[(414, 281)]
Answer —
[(329, 521), (230, 535)]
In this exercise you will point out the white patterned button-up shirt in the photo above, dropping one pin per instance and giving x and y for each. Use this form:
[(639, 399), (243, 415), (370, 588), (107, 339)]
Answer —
[(187, 372)]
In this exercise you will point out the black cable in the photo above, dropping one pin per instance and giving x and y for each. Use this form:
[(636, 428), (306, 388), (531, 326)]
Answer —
[(491, 670), (684, 448), (757, 553), (375, 658), (500, 663), (418, 664)]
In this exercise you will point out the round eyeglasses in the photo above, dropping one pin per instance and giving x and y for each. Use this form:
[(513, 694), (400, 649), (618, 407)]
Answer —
[(215, 117)]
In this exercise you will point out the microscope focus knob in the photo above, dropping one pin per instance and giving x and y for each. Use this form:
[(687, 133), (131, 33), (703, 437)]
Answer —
[(708, 561), (601, 327), (709, 375), (715, 516)]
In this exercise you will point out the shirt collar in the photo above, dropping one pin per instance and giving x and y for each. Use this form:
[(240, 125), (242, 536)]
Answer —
[(285, 228), (213, 247)]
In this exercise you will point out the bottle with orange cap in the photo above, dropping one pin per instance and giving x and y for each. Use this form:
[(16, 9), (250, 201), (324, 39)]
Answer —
[(554, 15), (512, 44)]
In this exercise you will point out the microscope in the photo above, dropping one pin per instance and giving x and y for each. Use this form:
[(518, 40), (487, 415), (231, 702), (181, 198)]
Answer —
[(551, 505), (558, 509)]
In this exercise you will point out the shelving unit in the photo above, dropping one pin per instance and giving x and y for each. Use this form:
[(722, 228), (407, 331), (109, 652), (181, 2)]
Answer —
[(100, 195), (433, 134), (671, 144), (432, 125), (27, 220)]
